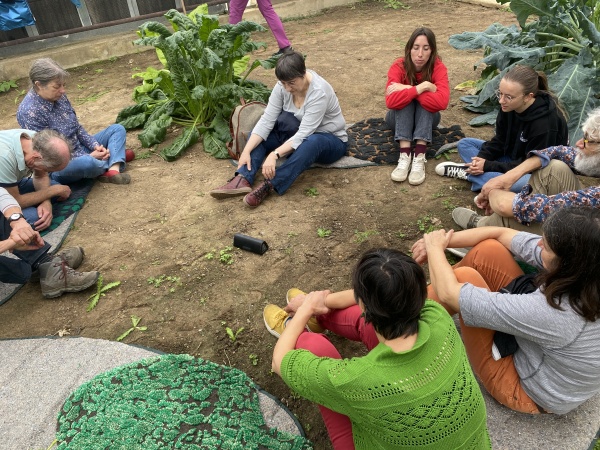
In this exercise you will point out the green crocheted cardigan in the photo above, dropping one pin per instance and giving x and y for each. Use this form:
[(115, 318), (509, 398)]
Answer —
[(425, 398)]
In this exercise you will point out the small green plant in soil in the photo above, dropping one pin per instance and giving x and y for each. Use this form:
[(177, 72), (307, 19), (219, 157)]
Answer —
[(173, 281), (135, 320), (448, 205), (427, 224), (6, 86), (100, 292), (323, 232), (394, 4), (210, 255), (226, 256), (362, 236), (311, 192), (233, 335), (253, 359)]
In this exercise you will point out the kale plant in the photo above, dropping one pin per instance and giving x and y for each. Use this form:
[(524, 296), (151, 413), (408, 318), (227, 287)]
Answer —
[(205, 72), (562, 40)]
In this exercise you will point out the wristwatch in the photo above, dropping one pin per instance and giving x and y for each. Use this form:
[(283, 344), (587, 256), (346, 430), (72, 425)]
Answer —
[(14, 217), (277, 154)]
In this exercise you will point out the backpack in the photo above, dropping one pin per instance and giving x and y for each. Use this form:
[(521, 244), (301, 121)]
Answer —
[(243, 119)]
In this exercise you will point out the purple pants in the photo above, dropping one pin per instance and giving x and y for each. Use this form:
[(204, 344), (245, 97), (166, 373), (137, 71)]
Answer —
[(236, 10)]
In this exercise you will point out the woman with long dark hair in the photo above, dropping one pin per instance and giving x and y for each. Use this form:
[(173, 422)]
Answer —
[(556, 364), (417, 90)]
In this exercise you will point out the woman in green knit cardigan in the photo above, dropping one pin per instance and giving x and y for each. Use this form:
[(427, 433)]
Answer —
[(414, 389)]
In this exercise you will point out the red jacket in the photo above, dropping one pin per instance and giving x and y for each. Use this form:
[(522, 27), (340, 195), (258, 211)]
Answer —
[(430, 101)]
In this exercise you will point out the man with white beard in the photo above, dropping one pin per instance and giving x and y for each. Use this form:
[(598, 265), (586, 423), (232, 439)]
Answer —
[(553, 184)]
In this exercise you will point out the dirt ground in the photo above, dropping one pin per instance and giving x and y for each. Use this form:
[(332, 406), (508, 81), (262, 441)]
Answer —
[(156, 235)]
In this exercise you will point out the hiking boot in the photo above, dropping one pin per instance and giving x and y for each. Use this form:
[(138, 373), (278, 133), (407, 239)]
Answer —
[(312, 324), (255, 198), (465, 218), (73, 256), (401, 171), (56, 278), (238, 185), (452, 170), (417, 171), (275, 319)]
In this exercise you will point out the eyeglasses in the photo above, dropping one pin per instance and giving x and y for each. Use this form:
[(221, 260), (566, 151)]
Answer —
[(586, 140), (508, 98)]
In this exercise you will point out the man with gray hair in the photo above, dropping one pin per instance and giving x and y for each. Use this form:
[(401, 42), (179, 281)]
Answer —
[(553, 184), (26, 158)]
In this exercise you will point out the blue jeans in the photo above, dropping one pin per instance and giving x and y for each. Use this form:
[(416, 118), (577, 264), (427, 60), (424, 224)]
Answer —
[(413, 122), (30, 213), (468, 148), (18, 271), (113, 138), (323, 148)]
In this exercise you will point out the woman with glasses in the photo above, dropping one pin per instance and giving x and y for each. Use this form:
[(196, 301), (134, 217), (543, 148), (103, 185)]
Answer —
[(530, 118), (303, 122)]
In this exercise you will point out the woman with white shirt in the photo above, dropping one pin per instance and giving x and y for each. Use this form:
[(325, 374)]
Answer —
[(303, 122)]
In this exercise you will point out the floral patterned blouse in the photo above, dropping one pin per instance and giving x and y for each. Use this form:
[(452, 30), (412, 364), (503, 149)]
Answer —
[(528, 207), (36, 113)]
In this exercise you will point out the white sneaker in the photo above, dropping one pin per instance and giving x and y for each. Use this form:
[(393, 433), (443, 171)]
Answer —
[(417, 172), (401, 171)]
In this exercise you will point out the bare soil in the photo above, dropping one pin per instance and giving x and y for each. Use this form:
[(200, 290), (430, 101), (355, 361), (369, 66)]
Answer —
[(164, 226)]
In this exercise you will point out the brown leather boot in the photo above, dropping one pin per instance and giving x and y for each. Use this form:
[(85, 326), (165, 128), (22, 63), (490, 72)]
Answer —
[(255, 198), (238, 185)]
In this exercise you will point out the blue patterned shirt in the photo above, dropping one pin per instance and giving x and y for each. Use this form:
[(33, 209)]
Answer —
[(36, 113), (528, 207)]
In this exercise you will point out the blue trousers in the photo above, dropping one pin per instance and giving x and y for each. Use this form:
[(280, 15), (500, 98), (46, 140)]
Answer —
[(323, 148), (468, 148), (413, 122), (14, 270), (113, 138)]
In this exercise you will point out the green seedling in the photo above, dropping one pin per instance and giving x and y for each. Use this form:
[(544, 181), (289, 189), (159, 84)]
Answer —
[(158, 281), (323, 232), (135, 320), (144, 155), (427, 224), (6, 86), (19, 95), (253, 359), (448, 205), (362, 236), (233, 336), (395, 4), (100, 292), (225, 256), (99, 70), (311, 192), (210, 255), (292, 234), (400, 235)]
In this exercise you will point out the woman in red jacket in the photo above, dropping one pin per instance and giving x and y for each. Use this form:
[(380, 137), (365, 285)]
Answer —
[(417, 90)]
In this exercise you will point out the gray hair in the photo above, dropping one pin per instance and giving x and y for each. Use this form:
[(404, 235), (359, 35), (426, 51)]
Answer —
[(45, 70), (44, 142), (591, 126)]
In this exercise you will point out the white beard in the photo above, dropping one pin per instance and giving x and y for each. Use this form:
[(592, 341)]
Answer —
[(588, 165)]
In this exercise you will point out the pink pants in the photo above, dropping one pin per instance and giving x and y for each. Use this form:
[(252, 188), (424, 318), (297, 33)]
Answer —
[(490, 265), (350, 324), (236, 10)]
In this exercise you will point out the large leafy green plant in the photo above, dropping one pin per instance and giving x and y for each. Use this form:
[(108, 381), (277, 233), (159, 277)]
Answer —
[(205, 72), (563, 41)]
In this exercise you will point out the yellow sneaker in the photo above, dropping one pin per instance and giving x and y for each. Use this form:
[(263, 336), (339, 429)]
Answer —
[(312, 325), (275, 319)]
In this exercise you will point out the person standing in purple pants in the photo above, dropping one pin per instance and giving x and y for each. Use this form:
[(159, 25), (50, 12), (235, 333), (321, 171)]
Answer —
[(236, 10)]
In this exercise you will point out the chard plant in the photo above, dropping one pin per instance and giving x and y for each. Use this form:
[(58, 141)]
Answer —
[(204, 75), (562, 39)]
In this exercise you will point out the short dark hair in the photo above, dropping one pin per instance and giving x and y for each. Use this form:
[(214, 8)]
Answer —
[(290, 65), (43, 142), (393, 288), (573, 234)]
